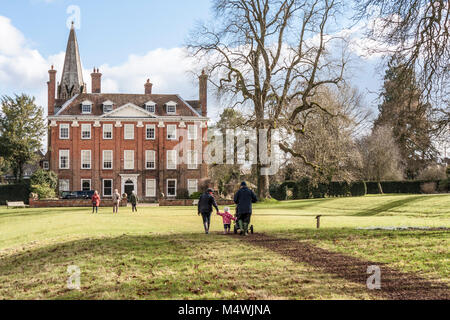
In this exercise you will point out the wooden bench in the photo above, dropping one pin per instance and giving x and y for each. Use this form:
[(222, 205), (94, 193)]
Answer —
[(15, 204)]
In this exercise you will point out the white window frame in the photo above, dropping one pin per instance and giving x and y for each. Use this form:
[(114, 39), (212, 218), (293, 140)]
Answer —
[(171, 105), (85, 104), (108, 125), (192, 155), (125, 152), (147, 127), (125, 126), (112, 159), (107, 105), (147, 182), (90, 184), (195, 133), (68, 159), (87, 163), (168, 156), (45, 165), (103, 187), (147, 160), (196, 186), (174, 128), (67, 181), (150, 105), (84, 126), (64, 126), (167, 187)]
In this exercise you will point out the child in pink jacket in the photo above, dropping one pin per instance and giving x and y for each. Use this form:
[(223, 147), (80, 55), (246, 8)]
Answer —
[(227, 217)]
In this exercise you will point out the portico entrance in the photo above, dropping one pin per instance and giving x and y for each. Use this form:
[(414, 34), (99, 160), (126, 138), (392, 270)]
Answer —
[(129, 183)]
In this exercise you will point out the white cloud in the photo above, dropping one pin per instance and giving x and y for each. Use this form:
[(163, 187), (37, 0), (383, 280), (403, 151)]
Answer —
[(24, 69)]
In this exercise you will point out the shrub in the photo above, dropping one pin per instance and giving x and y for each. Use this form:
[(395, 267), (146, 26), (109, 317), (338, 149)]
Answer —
[(319, 191), (358, 189), (289, 185), (182, 194), (277, 192), (44, 177), (14, 192), (444, 185), (428, 187), (195, 195), (303, 189), (43, 191), (447, 172)]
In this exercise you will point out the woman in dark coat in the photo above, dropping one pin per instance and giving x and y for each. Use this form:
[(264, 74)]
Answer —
[(205, 208)]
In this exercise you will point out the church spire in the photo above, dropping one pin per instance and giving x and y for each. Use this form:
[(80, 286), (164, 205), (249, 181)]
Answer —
[(72, 76)]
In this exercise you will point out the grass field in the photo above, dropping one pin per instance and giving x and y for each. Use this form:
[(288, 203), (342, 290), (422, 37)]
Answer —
[(161, 253)]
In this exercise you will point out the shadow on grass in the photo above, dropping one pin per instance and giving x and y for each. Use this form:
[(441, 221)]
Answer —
[(390, 206), (396, 285), (188, 266)]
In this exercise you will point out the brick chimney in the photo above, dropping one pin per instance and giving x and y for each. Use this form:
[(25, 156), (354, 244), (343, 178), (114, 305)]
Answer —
[(51, 91), (203, 92), (96, 77), (148, 87)]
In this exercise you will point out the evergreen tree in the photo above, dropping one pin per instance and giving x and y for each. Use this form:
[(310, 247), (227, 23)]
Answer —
[(404, 111), (21, 130)]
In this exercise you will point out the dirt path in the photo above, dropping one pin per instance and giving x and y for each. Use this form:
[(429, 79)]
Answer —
[(395, 285)]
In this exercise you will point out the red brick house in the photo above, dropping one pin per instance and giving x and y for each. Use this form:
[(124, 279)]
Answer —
[(150, 143)]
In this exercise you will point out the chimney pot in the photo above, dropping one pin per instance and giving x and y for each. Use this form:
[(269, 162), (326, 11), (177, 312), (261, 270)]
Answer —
[(148, 87), (96, 79)]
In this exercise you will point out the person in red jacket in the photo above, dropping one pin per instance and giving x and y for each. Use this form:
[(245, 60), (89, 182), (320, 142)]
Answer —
[(95, 202), (226, 217)]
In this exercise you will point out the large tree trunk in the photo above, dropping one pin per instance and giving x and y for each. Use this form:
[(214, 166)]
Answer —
[(262, 180)]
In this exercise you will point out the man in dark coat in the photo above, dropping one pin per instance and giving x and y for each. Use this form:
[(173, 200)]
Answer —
[(244, 199), (205, 208)]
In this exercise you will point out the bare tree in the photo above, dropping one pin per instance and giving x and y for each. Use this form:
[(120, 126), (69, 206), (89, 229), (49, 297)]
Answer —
[(267, 54), (329, 141), (418, 32), (381, 156)]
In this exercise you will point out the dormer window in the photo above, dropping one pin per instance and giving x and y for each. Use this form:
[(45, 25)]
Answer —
[(150, 107), (171, 107), (86, 107), (107, 106)]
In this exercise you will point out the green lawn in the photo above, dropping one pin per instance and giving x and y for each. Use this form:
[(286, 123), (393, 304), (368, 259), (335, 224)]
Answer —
[(161, 253)]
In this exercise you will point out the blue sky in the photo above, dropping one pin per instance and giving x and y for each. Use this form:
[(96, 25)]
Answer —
[(110, 29), (130, 42)]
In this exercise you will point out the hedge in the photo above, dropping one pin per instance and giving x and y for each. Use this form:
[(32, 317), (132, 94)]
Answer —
[(358, 189), (14, 192), (304, 189)]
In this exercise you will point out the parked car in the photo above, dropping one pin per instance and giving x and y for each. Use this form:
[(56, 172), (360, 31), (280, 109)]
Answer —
[(77, 194)]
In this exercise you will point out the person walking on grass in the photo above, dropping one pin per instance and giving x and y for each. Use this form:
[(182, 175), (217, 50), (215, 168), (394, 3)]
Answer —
[(243, 200), (205, 208), (116, 201), (226, 217), (134, 200), (95, 202)]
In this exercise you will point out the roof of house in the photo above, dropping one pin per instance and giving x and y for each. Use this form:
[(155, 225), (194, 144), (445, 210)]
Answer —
[(73, 107)]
